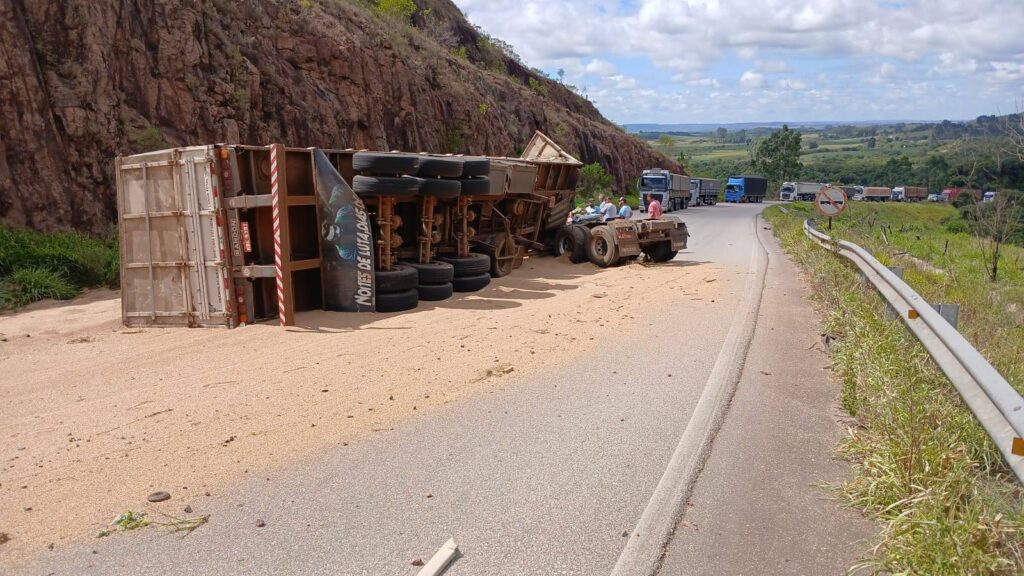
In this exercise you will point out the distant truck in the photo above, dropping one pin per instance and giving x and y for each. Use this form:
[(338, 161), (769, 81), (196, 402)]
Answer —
[(954, 193), (877, 194), (746, 189), (805, 191), (909, 193), (704, 191), (853, 192), (672, 190)]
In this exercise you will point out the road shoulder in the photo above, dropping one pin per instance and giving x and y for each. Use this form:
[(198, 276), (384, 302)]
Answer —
[(759, 506)]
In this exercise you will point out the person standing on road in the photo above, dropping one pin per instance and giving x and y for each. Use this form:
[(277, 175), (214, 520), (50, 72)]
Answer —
[(607, 209), (653, 207), (625, 212)]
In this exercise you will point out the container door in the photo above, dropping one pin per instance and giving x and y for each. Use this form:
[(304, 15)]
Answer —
[(172, 243)]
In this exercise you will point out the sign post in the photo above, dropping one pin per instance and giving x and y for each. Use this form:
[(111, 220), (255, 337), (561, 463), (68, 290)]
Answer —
[(830, 202)]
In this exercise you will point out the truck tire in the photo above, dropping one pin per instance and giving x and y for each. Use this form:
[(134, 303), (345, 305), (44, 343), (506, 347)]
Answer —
[(477, 187), (434, 167), (385, 163), (398, 301), (476, 166), (572, 240), (601, 247), (471, 283), (399, 279), (435, 292), (471, 265), (386, 185), (433, 272), (503, 258), (440, 188)]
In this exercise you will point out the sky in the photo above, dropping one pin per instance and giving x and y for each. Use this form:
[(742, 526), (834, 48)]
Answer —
[(721, 61)]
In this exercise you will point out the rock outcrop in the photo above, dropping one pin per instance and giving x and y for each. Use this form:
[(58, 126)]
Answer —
[(84, 81)]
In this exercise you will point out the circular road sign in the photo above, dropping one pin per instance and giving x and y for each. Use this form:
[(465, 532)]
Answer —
[(831, 201)]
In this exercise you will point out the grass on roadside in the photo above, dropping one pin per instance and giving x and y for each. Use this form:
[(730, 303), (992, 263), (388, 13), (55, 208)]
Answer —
[(923, 466), (35, 266)]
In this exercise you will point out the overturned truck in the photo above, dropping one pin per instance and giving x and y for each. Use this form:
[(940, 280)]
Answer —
[(225, 235)]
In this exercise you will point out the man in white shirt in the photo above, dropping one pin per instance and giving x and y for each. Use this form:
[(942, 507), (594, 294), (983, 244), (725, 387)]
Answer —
[(607, 209)]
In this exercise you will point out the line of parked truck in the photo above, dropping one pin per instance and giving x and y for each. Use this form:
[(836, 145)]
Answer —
[(806, 191), (679, 192)]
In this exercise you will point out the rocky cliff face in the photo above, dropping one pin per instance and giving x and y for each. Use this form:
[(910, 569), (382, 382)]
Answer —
[(82, 81)]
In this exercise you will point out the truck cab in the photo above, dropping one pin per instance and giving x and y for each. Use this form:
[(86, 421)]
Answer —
[(671, 190), (745, 189)]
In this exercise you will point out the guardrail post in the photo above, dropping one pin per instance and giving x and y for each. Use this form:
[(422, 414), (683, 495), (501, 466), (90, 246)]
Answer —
[(951, 312)]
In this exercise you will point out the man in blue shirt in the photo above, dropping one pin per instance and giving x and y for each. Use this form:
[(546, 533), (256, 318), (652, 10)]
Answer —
[(625, 212)]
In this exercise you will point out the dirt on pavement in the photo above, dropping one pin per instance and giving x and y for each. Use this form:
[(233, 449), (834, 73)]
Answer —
[(96, 416)]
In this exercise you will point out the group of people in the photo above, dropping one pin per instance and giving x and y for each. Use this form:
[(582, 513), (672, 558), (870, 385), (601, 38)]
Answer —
[(609, 211)]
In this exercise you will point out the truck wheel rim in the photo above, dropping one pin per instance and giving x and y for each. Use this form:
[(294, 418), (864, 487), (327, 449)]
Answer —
[(601, 247)]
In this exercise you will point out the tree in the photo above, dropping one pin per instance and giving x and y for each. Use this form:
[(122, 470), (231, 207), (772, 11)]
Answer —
[(561, 75), (721, 134), (777, 157), (665, 140), (681, 158), (872, 142), (593, 181), (996, 223)]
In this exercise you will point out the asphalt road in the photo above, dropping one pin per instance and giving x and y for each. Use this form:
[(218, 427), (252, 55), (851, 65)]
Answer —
[(548, 473)]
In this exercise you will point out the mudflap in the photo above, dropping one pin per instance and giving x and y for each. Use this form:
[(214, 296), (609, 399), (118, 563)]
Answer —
[(679, 236), (627, 237)]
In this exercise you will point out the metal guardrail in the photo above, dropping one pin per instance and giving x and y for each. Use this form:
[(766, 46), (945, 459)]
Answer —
[(997, 405)]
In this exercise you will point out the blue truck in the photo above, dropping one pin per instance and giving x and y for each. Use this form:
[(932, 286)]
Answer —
[(746, 189)]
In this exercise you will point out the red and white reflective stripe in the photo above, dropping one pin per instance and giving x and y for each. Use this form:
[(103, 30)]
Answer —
[(278, 264)]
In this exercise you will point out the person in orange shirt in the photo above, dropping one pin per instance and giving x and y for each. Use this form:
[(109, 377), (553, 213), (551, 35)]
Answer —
[(653, 207)]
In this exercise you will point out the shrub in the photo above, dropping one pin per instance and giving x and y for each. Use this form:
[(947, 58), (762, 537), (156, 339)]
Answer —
[(35, 266), (30, 284), (398, 9), (539, 88)]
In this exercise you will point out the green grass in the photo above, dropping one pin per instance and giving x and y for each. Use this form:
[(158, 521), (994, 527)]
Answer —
[(923, 466), (36, 266)]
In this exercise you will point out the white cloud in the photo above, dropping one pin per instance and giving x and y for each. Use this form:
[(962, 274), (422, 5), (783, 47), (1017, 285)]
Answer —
[(791, 84), (600, 68), (751, 79), (772, 66), (707, 82), (1007, 71)]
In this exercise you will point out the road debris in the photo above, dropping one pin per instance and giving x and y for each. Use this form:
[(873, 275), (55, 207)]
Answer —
[(159, 496), (441, 559), (260, 523)]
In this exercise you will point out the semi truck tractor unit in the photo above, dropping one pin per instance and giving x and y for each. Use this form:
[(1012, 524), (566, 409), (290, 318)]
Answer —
[(909, 193), (746, 189), (616, 242), (704, 191), (671, 190), (804, 191)]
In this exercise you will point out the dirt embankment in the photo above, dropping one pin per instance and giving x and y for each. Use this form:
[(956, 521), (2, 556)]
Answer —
[(82, 82), (96, 416)]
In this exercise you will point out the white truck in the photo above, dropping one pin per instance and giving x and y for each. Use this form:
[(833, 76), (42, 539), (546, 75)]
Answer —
[(804, 191), (671, 190)]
